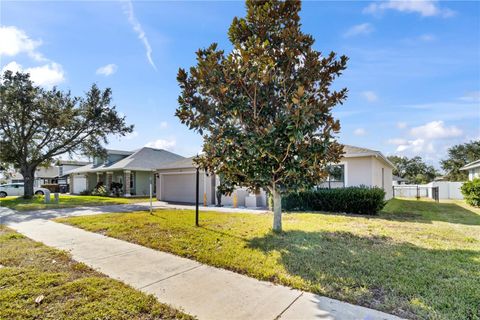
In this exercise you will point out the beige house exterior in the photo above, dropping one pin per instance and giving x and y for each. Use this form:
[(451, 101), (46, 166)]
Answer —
[(176, 181), (473, 169)]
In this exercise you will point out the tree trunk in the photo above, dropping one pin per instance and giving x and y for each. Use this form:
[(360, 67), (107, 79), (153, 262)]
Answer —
[(277, 210), (28, 174)]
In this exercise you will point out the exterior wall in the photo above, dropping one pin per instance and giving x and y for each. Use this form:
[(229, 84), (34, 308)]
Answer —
[(367, 171), (142, 183), (358, 171), (382, 176)]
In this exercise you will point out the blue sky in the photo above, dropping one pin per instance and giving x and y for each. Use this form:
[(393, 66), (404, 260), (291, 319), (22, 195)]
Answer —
[(413, 74)]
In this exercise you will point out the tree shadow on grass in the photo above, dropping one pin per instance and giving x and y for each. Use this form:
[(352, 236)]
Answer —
[(376, 272)]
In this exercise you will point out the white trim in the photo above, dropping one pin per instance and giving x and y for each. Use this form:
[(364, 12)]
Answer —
[(177, 172)]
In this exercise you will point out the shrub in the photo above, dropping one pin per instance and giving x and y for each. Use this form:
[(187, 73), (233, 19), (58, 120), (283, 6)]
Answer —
[(85, 193), (471, 192), (100, 190), (53, 187), (357, 200)]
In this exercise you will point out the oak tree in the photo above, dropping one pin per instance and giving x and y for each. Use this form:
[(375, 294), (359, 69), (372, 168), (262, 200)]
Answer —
[(37, 125), (264, 109)]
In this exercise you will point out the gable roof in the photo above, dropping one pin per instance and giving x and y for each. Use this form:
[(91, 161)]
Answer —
[(350, 152), (471, 165), (144, 159)]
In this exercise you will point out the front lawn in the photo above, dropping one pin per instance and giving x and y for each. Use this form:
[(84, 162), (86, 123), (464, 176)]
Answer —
[(417, 259), (63, 288), (65, 201)]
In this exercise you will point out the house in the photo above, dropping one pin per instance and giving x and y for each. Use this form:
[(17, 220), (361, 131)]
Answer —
[(396, 180), (473, 169), (133, 169), (52, 174), (176, 181)]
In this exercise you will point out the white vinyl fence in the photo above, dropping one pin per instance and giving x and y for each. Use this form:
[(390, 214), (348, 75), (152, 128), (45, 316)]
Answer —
[(447, 190)]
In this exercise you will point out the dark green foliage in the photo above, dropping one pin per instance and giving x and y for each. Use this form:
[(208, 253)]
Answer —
[(264, 109), (357, 200), (415, 170), (458, 156), (471, 192), (37, 125)]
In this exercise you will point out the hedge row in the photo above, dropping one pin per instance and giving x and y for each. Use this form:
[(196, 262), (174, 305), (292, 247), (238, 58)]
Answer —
[(357, 200), (471, 192)]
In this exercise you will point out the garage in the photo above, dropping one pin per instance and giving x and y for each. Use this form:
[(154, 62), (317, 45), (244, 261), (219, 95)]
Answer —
[(79, 184), (180, 187)]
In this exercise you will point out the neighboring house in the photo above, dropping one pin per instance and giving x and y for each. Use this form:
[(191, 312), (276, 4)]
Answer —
[(473, 169), (54, 174), (133, 169), (176, 181), (396, 180)]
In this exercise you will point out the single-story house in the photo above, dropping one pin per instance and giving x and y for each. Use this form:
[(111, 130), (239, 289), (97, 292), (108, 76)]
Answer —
[(473, 169), (176, 181), (133, 169)]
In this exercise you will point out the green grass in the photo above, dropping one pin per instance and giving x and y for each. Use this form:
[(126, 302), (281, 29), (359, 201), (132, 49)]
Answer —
[(71, 290), (417, 259), (65, 201)]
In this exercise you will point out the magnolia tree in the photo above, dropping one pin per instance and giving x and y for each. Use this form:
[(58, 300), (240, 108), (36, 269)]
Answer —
[(264, 109), (37, 125)]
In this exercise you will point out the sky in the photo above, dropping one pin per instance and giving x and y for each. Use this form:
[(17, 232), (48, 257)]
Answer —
[(413, 74)]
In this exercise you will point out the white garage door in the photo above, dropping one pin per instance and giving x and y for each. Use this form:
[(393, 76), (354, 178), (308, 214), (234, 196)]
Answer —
[(180, 187), (79, 184)]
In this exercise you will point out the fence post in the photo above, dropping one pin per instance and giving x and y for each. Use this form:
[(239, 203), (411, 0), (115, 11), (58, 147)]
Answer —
[(418, 192), (393, 191)]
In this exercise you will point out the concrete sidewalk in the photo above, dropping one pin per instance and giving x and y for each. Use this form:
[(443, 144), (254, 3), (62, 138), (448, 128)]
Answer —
[(12, 216), (200, 290)]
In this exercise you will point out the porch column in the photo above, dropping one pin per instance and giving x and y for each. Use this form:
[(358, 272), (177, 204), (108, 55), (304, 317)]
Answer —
[(205, 203), (109, 180), (70, 184), (127, 183)]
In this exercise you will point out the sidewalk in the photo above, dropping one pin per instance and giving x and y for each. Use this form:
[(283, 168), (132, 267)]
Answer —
[(197, 289), (9, 216)]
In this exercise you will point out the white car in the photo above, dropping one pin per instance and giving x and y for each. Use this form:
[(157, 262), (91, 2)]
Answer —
[(16, 189)]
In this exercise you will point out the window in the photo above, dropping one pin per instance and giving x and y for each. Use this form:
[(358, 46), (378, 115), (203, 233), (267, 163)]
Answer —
[(336, 177)]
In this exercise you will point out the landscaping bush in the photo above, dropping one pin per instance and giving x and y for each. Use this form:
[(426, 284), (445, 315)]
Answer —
[(471, 192), (357, 200), (53, 187), (100, 190), (85, 193)]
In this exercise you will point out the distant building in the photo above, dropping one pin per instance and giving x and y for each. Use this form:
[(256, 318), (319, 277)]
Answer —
[(473, 169)]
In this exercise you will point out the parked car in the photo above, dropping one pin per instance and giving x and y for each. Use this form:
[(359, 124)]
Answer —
[(16, 189)]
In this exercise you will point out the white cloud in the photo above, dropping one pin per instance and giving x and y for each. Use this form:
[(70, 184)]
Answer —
[(473, 96), (435, 130), (359, 29), (162, 144), (417, 146), (137, 27), (426, 8), (48, 75), (401, 125), (14, 41), (163, 124), (107, 70), (359, 132), (427, 37), (397, 141), (370, 96)]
